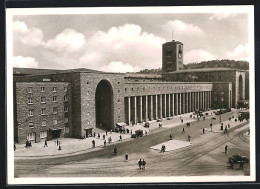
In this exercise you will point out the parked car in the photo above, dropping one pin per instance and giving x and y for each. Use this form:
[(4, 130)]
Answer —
[(159, 120), (137, 134), (169, 118), (147, 124)]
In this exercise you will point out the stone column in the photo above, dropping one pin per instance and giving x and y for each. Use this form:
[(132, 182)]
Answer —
[(160, 106), (133, 110), (150, 107), (140, 111), (155, 108), (128, 110), (176, 104), (210, 98), (183, 103), (145, 108), (180, 103), (172, 104), (187, 103), (168, 105), (164, 105), (190, 102)]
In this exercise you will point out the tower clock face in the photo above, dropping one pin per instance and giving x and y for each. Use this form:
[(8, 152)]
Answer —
[(180, 53)]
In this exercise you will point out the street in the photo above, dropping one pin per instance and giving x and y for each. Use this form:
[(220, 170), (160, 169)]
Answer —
[(204, 157)]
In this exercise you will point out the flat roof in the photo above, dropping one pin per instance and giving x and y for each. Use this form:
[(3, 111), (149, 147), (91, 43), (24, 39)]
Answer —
[(205, 70)]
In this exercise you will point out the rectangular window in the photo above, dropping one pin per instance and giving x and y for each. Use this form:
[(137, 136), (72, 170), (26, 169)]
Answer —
[(43, 111), (55, 122), (42, 89), (55, 110), (54, 99), (67, 129), (43, 122), (65, 98), (66, 120), (30, 100), (66, 108), (29, 89), (54, 89), (65, 89), (43, 134), (30, 125), (43, 99), (30, 112), (31, 136), (125, 89)]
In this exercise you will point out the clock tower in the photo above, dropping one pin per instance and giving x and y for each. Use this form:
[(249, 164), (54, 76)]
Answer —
[(172, 56)]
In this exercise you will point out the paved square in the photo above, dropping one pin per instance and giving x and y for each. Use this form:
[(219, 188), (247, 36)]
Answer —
[(172, 145)]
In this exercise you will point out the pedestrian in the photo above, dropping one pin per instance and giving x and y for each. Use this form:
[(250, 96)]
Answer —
[(115, 150), (105, 142), (183, 130), (189, 138), (106, 133), (126, 157), (57, 142), (140, 164), (241, 165), (226, 147), (229, 126), (131, 132), (93, 143), (98, 135), (210, 127), (45, 143), (144, 163), (229, 118), (170, 137), (203, 131), (104, 136), (27, 144), (14, 147), (30, 144), (120, 138), (94, 134), (181, 120)]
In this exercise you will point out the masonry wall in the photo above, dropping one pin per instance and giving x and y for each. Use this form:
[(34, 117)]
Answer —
[(222, 94), (23, 106), (89, 83)]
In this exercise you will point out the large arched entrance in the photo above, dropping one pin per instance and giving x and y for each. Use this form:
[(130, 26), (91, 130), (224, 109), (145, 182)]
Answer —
[(104, 105), (240, 88)]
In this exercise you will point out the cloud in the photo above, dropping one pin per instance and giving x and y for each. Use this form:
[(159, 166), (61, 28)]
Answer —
[(127, 43), (24, 62), (197, 55), (221, 16), (181, 28), (27, 36), (241, 52), (119, 67), (67, 41)]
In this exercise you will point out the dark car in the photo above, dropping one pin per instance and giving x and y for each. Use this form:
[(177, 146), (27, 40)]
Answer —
[(138, 133), (147, 124)]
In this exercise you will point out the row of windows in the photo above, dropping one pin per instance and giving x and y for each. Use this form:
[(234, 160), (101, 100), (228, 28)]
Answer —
[(54, 89), (43, 110), (44, 122), (159, 88), (43, 99)]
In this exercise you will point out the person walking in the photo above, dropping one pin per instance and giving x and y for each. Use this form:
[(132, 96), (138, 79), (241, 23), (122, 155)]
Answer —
[(183, 130), (170, 137), (140, 164), (189, 138), (104, 136), (105, 143), (93, 143), (210, 127), (203, 131), (226, 147), (120, 138), (45, 143), (181, 120), (144, 163), (115, 150), (126, 157)]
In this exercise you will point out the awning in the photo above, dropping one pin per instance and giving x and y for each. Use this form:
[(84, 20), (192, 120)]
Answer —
[(121, 124), (88, 128), (55, 129)]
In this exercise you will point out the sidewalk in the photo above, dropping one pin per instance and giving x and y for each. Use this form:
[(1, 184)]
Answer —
[(73, 146)]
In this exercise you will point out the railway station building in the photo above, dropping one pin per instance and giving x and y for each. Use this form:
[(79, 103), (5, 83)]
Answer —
[(70, 103)]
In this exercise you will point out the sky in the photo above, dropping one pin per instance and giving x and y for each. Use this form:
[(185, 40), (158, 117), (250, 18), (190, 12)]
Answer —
[(125, 42)]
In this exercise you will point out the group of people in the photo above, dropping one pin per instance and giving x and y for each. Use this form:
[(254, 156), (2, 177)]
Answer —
[(28, 144), (163, 148), (141, 164)]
